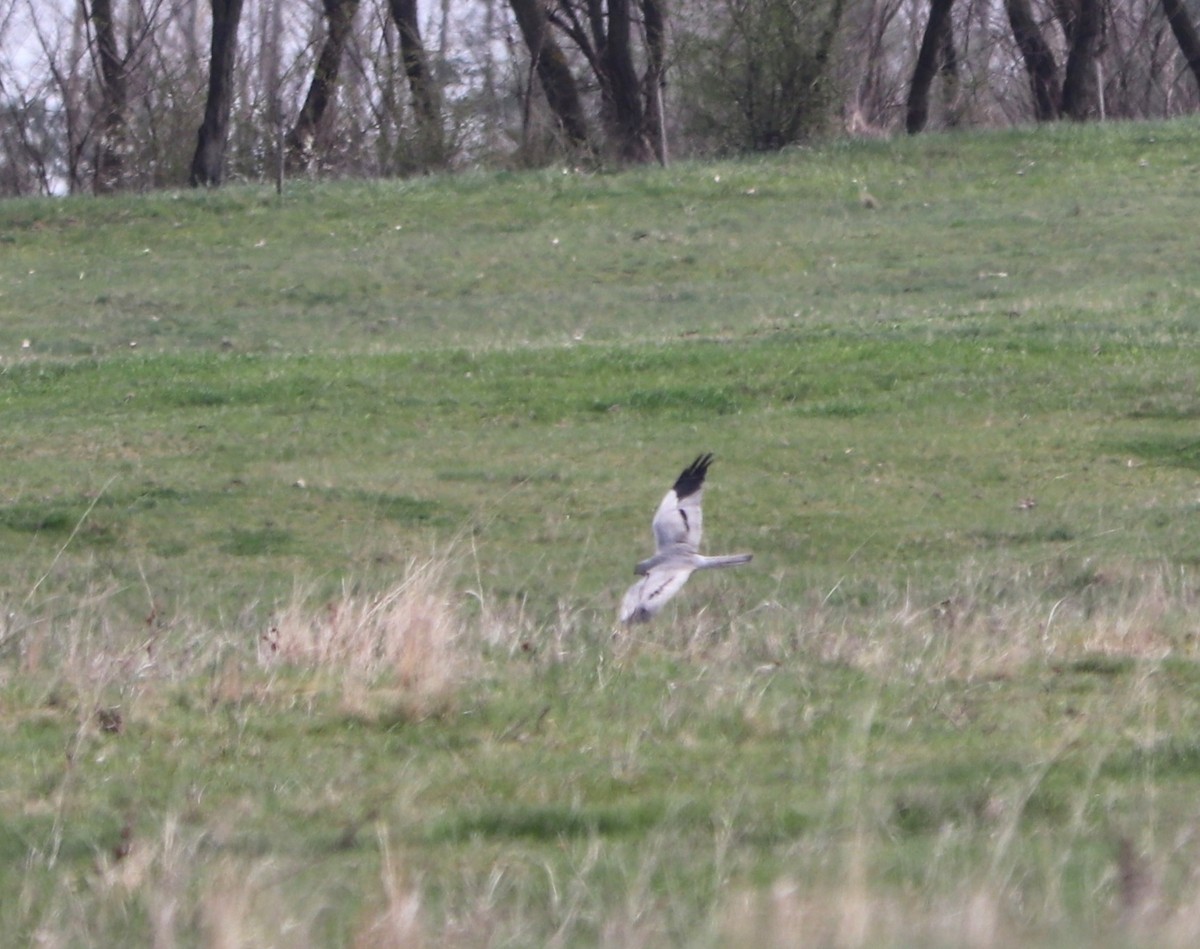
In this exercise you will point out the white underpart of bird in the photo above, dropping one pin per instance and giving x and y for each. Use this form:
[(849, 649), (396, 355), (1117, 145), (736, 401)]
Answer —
[(677, 526)]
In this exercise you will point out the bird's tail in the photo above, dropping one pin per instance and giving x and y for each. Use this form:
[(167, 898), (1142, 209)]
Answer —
[(727, 560)]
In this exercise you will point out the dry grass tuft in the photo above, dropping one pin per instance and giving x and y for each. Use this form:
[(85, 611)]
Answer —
[(979, 625), (399, 921), (412, 636), (85, 654), (789, 914)]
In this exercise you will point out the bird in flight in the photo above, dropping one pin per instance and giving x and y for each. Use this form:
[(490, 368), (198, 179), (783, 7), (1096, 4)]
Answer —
[(677, 525)]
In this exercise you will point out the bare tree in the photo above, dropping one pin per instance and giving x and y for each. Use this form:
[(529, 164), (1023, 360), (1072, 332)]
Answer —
[(549, 63), (111, 142), (1185, 34), (416, 68), (654, 19), (27, 147), (872, 53), (1084, 26), (106, 94), (948, 71), (937, 50), (603, 31), (208, 163), (1039, 59), (339, 19), (65, 78), (620, 85), (626, 63), (33, 148)]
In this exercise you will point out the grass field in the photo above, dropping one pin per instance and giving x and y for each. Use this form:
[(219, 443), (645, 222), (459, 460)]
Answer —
[(316, 511)]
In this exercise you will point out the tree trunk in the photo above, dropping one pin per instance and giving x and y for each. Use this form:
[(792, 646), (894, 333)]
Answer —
[(950, 79), (932, 46), (208, 163), (553, 72), (416, 68), (1185, 34), (339, 18), (654, 18), (1039, 59), (108, 165), (1080, 86), (619, 86)]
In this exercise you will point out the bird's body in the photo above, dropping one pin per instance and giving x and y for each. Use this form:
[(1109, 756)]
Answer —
[(677, 527)]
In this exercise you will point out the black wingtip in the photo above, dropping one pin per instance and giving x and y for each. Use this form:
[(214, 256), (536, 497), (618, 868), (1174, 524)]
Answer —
[(692, 478)]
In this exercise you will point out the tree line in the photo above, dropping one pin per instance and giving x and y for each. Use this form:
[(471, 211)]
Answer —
[(112, 95)]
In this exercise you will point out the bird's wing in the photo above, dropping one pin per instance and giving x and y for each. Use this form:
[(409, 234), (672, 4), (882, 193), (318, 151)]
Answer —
[(678, 520), (650, 594)]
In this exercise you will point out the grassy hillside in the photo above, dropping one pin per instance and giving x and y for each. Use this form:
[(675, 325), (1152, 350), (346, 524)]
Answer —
[(316, 511)]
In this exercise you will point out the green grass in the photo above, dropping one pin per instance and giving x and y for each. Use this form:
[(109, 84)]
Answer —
[(308, 597)]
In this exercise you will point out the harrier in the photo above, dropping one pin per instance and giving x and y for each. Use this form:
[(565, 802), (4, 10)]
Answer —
[(677, 525)]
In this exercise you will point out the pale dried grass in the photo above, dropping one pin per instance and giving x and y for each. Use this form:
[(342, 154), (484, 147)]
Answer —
[(789, 914), (425, 638), (413, 636), (398, 917), (981, 624), (194, 894)]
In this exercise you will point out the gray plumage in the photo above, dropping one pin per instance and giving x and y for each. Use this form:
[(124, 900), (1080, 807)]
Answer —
[(677, 526)]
